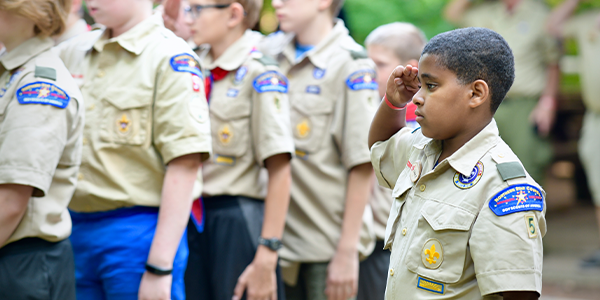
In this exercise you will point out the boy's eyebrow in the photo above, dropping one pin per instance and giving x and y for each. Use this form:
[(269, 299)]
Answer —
[(428, 76)]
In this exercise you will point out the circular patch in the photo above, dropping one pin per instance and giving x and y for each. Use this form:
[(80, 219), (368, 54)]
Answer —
[(240, 74), (303, 128), (463, 182), (225, 135), (432, 254), (415, 171), (123, 123)]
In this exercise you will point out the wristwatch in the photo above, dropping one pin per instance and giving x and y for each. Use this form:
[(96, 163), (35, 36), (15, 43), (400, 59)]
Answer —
[(272, 243), (158, 271)]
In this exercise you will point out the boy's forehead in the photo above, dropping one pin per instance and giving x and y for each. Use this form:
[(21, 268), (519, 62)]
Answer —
[(430, 68)]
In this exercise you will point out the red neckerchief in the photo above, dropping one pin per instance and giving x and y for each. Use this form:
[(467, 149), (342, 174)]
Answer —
[(216, 74)]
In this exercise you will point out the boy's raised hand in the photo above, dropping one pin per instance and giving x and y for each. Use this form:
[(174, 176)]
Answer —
[(402, 85)]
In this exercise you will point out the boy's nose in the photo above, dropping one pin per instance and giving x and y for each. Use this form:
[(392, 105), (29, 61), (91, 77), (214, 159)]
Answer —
[(418, 98)]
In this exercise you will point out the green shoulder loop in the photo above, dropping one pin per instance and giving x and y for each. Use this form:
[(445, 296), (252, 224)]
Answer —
[(45, 72), (511, 170), (358, 54), (267, 60)]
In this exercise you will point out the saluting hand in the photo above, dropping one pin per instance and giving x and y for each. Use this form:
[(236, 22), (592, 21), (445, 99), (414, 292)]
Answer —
[(171, 13), (402, 85)]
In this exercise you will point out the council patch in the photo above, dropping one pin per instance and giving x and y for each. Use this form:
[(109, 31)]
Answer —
[(362, 80), (462, 182), (186, 63), (43, 93), (516, 198), (271, 81)]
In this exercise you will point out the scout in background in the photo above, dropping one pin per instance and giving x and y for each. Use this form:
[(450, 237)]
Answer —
[(75, 24), (388, 46), (41, 121), (333, 96), (233, 246), (528, 112), (147, 131), (585, 28), (467, 220)]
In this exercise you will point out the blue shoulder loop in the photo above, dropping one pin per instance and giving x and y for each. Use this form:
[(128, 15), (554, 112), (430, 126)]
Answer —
[(362, 80), (271, 81), (46, 93), (185, 62), (515, 198)]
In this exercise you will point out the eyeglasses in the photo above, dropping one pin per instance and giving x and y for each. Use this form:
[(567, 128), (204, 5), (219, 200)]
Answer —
[(195, 10)]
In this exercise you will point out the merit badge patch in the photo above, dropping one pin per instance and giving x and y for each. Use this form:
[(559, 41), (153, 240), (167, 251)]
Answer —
[(186, 63), (43, 93), (225, 134), (318, 73), (432, 254), (303, 128), (430, 286), (232, 93), (313, 89), (271, 81), (462, 182), (515, 198), (362, 80), (11, 80), (240, 74), (196, 82)]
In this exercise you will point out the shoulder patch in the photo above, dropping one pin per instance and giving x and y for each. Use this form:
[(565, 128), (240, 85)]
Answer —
[(516, 198), (511, 170), (45, 72), (43, 93), (267, 60), (271, 81), (362, 80), (185, 62), (358, 54)]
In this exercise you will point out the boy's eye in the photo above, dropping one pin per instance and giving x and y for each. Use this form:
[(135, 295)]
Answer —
[(430, 86)]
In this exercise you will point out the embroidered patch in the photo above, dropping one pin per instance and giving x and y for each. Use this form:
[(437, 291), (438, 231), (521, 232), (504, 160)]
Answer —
[(432, 254), (240, 74), (313, 89), (362, 80), (301, 154), (196, 82), (43, 93), (415, 170), (430, 286), (271, 81), (318, 73), (232, 93), (515, 198), (224, 160), (123, 124), (186, 63), (462, 182), (225, 134), (303, 128), (11, 80), (531, 224)]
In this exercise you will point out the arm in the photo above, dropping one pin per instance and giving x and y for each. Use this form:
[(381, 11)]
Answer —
[(544, 113), (521, 295), (559, 17), (13, 200), (401, 87), (172, 220), (342, 277), (456, 9), (259, 276)]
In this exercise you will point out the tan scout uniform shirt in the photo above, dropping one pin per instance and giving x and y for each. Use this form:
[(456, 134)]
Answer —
[(381, 202), (41, 121), (533, 48), (144, 108), (446, 239), (248, 126), (587, 33), (330, 121)]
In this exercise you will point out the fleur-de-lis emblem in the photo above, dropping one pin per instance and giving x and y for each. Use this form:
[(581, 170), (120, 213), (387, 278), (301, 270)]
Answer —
[(432, 255)]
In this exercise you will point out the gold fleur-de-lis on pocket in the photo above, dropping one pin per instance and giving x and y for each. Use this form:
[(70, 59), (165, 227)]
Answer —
[(432, 255)]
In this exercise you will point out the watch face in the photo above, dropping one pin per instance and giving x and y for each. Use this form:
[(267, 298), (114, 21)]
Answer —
[(276, 244)]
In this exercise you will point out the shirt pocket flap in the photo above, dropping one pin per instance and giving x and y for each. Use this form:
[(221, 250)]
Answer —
[(128, 99), (442, 216), (403, 184), (230, 108), (313, 104)]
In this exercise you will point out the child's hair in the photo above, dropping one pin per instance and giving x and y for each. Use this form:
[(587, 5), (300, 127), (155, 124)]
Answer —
[(252, 10), (50, 16), (336, 6), (404, 39), (476, 53)]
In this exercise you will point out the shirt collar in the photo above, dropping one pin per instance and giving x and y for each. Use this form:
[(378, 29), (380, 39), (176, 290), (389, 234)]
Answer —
[(135, 39), (235, 55), (24, 52)]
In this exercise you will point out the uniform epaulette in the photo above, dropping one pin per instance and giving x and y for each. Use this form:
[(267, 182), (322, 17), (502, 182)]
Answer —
[(45, 72), (267, 60), (358, 54), (511, 170)]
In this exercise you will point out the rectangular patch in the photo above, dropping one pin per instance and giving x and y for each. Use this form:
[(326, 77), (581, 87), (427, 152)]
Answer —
[(301, 154), (44, 72), (511, 170), (313, 89), (43, 93), (224, 160), (516, 198), (232, 93), (430, 286), (531, 224)]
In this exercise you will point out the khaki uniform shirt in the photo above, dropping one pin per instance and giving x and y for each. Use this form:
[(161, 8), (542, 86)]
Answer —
[(250, 118), (41, 121), (333, 98), (533, 48), (472, 226), (587, 33), (381, 202), (145, 105)]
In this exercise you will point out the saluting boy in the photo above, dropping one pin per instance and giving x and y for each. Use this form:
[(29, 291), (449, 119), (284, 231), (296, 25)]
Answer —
[(389, 45), (467, 219), (147, 131), (333, 95), (236, 250)]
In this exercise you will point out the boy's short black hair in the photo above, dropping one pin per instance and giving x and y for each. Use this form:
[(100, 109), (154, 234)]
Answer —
[(476, 53)]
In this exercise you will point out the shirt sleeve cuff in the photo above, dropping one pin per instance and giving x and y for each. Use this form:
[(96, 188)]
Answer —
[(186, 146), (510, 280), (40, 181)]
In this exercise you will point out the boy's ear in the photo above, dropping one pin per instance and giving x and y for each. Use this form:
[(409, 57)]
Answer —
[(325, 4), (480, 93), (237, 15)]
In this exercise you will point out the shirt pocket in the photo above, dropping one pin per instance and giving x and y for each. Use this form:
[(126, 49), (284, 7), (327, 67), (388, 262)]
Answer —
[(401, 190), (438, 249), (230, 125), (311, 115), (126, 117)]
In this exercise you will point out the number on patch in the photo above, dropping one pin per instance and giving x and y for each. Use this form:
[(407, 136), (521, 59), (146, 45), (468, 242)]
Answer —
[(530, 222)]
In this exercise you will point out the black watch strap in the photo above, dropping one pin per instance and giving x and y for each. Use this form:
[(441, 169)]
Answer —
[(272, 243), (158, 271)]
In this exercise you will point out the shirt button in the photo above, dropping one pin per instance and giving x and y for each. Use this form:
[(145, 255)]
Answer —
[(80, 176), (92, 106), (422, 187), (85, 141), (100, 73), (404, 231), (391, 272)]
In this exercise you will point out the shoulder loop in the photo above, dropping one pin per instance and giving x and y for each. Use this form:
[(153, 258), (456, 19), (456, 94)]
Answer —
[(511, 170), (45, 72), (267, 60), (358, 54)]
